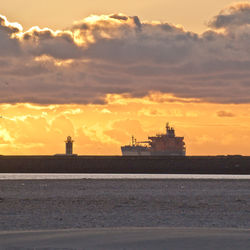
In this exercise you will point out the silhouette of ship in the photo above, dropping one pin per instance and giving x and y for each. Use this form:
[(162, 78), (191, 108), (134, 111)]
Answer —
[(158, 145)]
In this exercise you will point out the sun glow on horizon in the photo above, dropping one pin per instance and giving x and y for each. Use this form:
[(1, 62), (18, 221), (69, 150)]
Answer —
[(101, 129)]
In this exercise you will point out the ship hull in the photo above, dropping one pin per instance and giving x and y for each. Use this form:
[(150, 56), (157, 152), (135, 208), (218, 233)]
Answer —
[(168, 153), (137, 151)]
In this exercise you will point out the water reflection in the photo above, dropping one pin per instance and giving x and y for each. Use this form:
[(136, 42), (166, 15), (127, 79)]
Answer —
[(119, 176)]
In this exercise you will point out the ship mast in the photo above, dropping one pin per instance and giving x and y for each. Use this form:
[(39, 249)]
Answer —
[(170, 131), (133, 141)]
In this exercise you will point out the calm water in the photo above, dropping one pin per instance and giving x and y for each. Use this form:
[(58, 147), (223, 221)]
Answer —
[(119, 176)]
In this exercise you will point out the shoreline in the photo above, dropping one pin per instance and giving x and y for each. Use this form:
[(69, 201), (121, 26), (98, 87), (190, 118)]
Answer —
[(62, 176)]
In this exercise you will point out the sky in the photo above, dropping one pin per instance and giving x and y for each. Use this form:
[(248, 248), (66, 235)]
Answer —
[(104, 71), (60, 14)]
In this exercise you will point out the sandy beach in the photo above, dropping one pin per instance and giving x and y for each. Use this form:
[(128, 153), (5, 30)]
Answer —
[(67, 204), (124, 214)]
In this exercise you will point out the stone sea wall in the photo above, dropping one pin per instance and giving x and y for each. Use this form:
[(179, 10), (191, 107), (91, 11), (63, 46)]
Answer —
[(128, 164)]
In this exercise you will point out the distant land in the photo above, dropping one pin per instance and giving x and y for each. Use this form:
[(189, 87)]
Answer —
[(231, 164)]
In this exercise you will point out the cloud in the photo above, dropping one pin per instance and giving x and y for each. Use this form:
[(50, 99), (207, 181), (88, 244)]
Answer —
[(8, 46), (59, 45), (120, 54), (223, 113), (234, 15), (9, 27)]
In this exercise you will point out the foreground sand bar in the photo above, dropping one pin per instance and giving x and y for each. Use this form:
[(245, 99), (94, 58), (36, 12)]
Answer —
[(129, 238)]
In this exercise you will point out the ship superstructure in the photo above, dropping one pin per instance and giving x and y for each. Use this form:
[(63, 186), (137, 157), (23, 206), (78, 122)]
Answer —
[(136, 148), (161, 144)]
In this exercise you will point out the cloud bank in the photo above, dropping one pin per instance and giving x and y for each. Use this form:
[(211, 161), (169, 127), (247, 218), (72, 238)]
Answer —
[(120, 54)]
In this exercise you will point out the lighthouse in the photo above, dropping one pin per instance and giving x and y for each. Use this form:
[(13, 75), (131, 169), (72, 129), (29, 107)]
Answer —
[(69, 146)]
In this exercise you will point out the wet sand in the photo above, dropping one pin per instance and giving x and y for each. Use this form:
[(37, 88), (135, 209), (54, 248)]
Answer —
[(124, 214), (73, 204), (128, 238)]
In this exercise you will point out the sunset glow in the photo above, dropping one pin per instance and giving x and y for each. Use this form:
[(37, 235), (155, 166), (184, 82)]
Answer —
[(106, 77), (101, 129)]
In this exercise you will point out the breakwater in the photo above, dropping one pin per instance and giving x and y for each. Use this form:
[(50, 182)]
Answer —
[(127, 164)]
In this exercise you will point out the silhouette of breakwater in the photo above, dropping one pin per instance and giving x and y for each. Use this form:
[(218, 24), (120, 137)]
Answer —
[(128, 164)]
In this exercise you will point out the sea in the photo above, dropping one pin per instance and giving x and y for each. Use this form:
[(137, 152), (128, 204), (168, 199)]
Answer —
[(121, 176)]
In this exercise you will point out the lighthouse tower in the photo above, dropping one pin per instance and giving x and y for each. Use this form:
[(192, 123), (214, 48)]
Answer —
[(69, 146)]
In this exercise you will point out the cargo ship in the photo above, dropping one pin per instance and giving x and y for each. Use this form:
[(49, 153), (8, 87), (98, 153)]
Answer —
[(158, 145)]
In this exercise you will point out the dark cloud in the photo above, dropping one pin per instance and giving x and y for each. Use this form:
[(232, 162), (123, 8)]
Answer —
[(235, 15), (225, 114), (59, 45), (10, 29), (137, 22), (123, 55), (8, 46), (119, 17), (57, 48)]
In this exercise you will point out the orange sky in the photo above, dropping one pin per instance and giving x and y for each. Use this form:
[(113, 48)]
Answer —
[(209, 129), (102, 79)]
